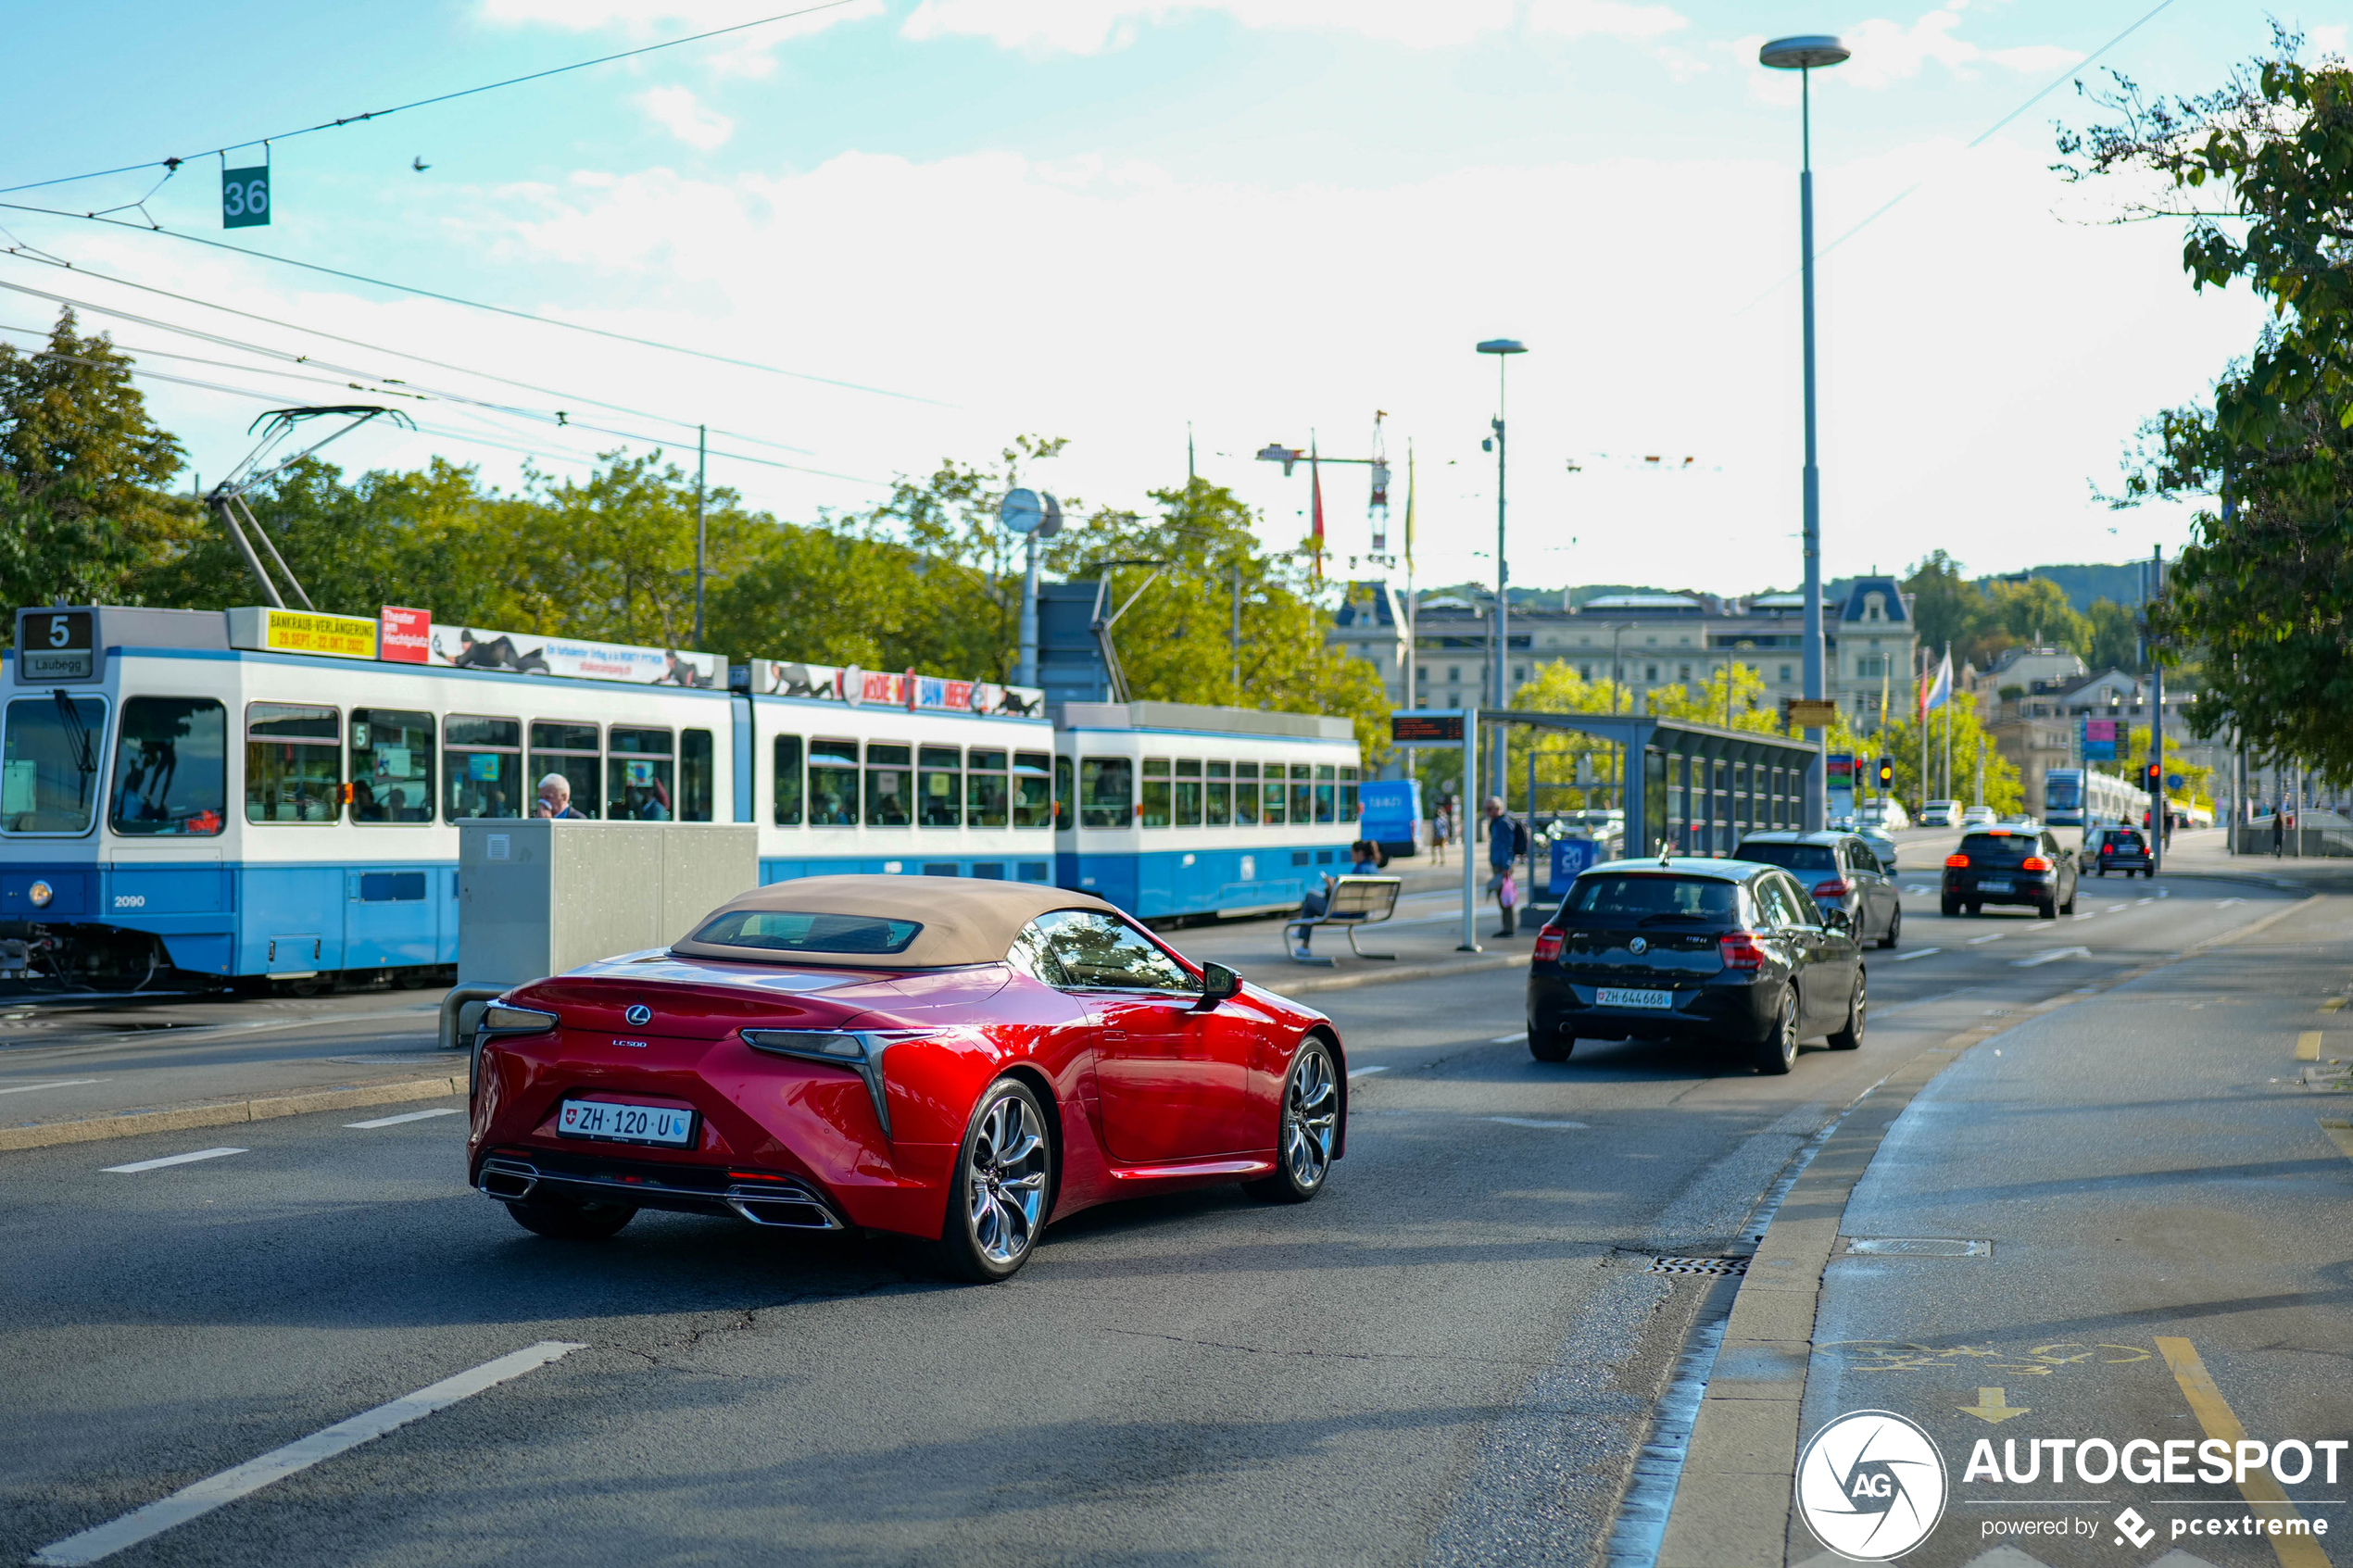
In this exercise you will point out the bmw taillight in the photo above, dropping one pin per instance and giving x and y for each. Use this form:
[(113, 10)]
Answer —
[(1834, 888), (1548, 943), (2034, 863), (2108, 848), (1740, 950), (1955, 862)]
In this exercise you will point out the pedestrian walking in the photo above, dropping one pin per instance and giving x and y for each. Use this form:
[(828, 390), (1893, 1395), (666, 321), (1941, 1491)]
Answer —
[(1506, 842), (2279, 827), (1441, 829)]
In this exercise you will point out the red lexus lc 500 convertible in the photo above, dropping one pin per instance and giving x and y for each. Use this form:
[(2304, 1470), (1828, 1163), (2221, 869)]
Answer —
[(956, 1060)]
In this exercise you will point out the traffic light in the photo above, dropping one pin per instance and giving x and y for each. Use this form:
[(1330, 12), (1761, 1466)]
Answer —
[(1887, 772), (2155, 780)]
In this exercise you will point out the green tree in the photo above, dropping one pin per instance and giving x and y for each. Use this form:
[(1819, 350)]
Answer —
[(2030, 614), (1946, 607), (82, 470), (2113, 640), (1732, 696), (1562, 756), (1900, 742)]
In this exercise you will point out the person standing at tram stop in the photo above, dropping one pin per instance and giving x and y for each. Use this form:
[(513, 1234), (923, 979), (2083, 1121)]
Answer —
[(1506, 842), (1439, 831), (555, 800)]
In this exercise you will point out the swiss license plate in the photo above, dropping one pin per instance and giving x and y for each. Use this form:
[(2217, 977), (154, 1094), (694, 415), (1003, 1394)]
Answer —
[(1993, 884), (626, 1123), (1621, 996)]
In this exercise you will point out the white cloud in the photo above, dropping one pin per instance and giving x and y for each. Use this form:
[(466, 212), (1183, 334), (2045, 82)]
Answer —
[(1888, 52), (750, 53), (1094, 27), (1604, 18), (678, 111)]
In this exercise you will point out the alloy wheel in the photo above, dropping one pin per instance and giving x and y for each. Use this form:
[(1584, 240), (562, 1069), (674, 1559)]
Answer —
[(1311, 1113), (1006, 1196)]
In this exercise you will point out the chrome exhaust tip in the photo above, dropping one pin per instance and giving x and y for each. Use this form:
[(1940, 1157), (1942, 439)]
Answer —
[(781, 1208), (508, 1180)]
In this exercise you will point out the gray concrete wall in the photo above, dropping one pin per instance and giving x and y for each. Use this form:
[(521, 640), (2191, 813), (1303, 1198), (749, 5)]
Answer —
[(537, 897)]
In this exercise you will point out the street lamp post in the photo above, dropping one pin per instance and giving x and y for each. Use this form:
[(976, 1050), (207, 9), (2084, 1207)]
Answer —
[(1803, 55), (1503, 349)]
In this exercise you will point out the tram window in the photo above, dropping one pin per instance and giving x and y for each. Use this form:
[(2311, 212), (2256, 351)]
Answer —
[(786, 751), (1187, 792), (1350, 810), (481, 767), (49, 777), (1106, 791), (1033, 789), (1218, 795), (1326, 791), (639, 780), (988, 793), (170, 767), (576, 751), (939, 787), (1251, 803), (1153, 810), (697, 776), (833, 784), (1065, 795), (391, 766), (1303, 794), (294, 762), (886, 785)]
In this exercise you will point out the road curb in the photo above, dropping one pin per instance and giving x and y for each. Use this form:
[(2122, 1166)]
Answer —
[(1405, 971), (223, 1113), (1743, 1445)]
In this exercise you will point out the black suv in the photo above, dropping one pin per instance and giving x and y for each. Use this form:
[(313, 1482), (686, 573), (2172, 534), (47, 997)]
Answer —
[(2009, 866), (1723, 950), (2122, 849), (1842, 872)]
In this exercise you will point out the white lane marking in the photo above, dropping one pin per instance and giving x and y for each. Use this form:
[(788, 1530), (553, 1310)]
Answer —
[(1917, 890), (1507, 1040), (411, 1116), (2054, 954), (1524, 1121), (1356, 1073), (202, 1497), (1994, 937), (2228, 902), (2042, 926), (2138, 902), (61, 1083), (2113, 907), (172, 1159), (1915, 953), (2163, 893), (2087, 914)]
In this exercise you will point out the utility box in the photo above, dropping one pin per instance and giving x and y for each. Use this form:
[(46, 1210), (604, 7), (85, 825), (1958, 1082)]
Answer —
[(537, 896)]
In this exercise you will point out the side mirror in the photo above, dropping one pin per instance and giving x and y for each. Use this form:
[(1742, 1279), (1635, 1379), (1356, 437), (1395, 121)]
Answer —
[(1218, 984), (1835, 920)]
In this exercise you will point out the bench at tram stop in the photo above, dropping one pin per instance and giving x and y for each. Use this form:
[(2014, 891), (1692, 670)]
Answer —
[(1356, 902)]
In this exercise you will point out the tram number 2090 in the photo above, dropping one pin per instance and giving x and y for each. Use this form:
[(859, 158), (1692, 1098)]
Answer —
[(129, 901)]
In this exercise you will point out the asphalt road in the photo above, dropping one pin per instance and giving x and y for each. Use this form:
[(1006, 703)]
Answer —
[(1452, 1356)]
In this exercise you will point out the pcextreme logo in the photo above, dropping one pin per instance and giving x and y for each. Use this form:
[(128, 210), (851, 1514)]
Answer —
[(1870, 1486)]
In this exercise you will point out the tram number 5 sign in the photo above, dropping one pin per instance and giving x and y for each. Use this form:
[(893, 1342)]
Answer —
[(245, 198)]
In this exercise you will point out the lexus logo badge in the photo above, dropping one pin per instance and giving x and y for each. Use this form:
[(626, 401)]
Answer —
[(639, 1015), (1638, 945)]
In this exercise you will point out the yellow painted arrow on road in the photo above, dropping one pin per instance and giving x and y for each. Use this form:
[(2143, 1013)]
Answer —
[(1992, 1405)]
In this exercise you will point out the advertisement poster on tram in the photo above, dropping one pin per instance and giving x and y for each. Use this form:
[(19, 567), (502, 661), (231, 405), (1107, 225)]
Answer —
[(531, 653)]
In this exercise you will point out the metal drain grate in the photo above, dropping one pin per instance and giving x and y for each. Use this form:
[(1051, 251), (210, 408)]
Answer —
[(1917, 1247), (1697, 1266)]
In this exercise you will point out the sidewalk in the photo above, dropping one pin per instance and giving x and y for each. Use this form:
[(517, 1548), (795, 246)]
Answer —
[(2123, 1218), (1424, 937)]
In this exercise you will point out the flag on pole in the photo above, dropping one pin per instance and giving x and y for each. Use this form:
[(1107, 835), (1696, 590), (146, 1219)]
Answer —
[(1409, 509), (1937, 690), (1315, 523)]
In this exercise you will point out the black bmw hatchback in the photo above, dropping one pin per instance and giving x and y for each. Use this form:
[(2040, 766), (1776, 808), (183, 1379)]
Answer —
[(1722, 950)]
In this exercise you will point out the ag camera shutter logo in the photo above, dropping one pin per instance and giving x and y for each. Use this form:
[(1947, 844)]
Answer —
[(1871, 1485)]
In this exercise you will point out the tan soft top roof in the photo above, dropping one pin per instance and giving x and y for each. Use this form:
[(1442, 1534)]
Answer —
[(966, 921)]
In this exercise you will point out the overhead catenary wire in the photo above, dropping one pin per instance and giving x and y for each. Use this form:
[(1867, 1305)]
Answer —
[(171, 165)]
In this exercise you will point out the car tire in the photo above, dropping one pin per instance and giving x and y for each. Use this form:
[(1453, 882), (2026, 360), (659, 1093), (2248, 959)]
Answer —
[(1951, 907), (571, 1222), (2048, 909), (2069, 907), (1309, 1129), (997, 1193), (1894, 930), (1549, 1047), (1777, 1052), (1858, 1016), (2104, 870)]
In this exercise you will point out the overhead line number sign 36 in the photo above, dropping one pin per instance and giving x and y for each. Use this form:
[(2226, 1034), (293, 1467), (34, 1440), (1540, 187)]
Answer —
[(245, 198)]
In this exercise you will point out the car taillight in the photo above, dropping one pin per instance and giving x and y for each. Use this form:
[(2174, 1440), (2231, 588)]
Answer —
[(1834, 888), (1740, 950), (2034, 863), (1548, 943), (1956, 861), (2108, 848)]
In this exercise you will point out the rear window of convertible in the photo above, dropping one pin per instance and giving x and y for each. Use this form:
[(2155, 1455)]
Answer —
[(788, 931), (1617, 895)]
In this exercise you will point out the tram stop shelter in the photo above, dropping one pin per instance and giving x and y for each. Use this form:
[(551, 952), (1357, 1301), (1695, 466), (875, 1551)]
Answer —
[(1696, 790)]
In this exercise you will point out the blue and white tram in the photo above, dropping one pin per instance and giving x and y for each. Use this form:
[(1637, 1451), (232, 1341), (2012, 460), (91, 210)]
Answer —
[(192, 806), (2086, 797), (1170, 810)]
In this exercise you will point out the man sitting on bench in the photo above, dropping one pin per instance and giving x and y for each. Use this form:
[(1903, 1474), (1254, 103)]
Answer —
[(1362, 861)]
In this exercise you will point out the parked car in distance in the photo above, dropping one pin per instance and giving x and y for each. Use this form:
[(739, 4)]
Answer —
[(957, 1060), (2000, 865), (1888, 814), (1882, 846), (2019, 821), (1838, 871), (1977, 817), (1940, 813), (2121, 850), (1729, 951)]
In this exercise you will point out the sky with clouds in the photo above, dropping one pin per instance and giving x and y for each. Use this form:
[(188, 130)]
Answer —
[(898, 231)]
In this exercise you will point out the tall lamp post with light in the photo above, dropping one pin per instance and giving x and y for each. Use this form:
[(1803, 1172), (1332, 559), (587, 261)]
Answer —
[(1503, 349), (1805, 56)]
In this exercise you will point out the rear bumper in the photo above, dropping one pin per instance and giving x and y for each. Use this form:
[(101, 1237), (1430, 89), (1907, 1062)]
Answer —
[(2025, 888), (762, 1197), (1560, 1002)]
